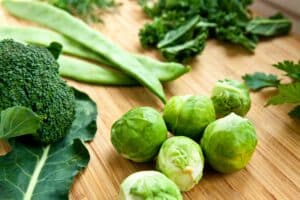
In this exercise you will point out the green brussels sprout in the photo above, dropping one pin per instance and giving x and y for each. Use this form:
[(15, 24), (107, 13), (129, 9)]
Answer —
[(231, 96), (139, 134), (229, 143), (148, 185), (181, 159), (189, 115)]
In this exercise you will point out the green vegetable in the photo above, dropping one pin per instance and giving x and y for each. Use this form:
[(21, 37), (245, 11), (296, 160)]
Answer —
[(177, 23), (16, 121), (44, 37), (258, 81), (47, 172), (66, 24), (55, 49), (29, 77), (228, 143), (273, 26), (230, 96), (183, 52), (138, 134), (288, 93), (292, 69), (174, 35), (188, 115), (148, 185), (90, 73), (181, 159), (88, 10), (164, 71)]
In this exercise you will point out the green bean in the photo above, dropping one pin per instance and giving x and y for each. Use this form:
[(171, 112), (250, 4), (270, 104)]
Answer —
[(90, 73), (164, 71), (62, 22), (44, 37)]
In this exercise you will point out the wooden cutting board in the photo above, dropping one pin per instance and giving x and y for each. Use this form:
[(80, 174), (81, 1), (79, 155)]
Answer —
[(274, 171)]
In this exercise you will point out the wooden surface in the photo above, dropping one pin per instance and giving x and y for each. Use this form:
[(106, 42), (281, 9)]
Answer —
[(273, 172)]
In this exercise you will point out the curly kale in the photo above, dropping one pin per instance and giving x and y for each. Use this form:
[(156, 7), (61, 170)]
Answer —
[(229, 21), (29, 77)]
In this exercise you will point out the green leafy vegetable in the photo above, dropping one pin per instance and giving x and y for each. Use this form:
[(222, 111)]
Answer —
[(183, 52), (84, 125), (288, 93), (174, 35), (48, 171), (258, 81), (292, 69), (62, 22), (273, 26), (177, 22), (18, 120)]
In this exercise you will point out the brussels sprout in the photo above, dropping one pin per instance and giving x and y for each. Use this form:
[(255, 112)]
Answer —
[(189, 115), (181, 159), (139, 134), (229, 143), (148, 185), (231, 96)]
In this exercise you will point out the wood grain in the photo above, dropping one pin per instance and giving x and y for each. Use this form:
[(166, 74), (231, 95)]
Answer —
[(273, 172)]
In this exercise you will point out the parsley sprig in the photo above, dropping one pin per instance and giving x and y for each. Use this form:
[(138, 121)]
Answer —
[(288, 93)]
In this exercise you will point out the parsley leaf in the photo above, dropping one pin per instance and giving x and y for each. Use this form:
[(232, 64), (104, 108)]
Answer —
[(292, 69), (258, 81), (287, 93)]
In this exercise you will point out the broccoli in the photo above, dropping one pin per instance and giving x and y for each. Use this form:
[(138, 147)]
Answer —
[(29, 77)]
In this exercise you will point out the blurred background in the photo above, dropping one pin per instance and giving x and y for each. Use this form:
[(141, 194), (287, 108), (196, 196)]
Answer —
[(290, 8)]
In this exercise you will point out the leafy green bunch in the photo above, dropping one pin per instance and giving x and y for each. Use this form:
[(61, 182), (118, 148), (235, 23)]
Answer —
[(88, 10), (180, 28), (288, 93)]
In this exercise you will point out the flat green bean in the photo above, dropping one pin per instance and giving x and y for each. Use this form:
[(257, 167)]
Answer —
[(164, 71), (90, 73), (62, 22), (44, 37)]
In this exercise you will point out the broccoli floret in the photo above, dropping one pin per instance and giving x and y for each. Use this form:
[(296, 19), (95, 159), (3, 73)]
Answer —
[(29, 77)]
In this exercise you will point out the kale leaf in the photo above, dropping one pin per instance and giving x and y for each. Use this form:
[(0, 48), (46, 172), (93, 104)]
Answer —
[(268, 27), (177, 23)]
